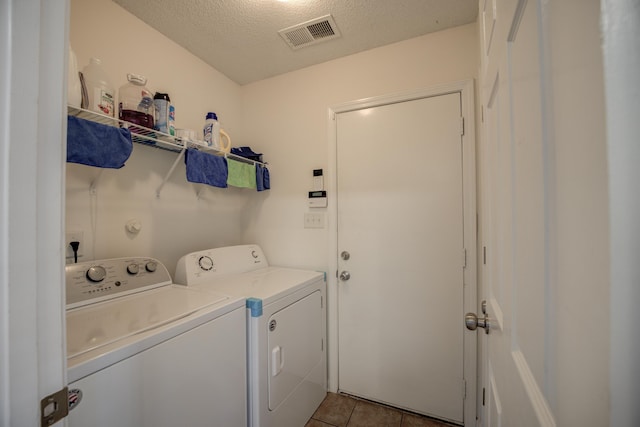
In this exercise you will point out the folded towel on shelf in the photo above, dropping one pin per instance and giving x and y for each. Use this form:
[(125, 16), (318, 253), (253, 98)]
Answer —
[(241, 174), (247, 153), (206, 168), (95, 144), (262, 178)]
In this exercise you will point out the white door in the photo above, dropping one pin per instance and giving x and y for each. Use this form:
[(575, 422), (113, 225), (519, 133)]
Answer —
[(539, 368), (400, 219), (516, 230)]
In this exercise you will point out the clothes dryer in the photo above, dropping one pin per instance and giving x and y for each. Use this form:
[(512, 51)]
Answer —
[(286, 329)]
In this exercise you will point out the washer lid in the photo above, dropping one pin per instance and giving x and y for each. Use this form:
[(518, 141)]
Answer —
[(97, 325)]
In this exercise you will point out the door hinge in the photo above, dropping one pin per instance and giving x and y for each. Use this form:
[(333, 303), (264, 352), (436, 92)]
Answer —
[(483, 395), (54, 407), (482, 113), (464, 258), (321, 302), (464, 389), (461, 125), (484, 255)]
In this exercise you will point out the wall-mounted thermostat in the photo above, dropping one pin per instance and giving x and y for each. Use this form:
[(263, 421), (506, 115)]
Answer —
[(318, 199)]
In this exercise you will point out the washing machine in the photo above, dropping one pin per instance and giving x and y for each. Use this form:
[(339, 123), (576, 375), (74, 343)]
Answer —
[(286, 329), (143, 352)]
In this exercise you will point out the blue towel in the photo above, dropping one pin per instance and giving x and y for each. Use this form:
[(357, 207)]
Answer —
[(262, 178), (95, 144), (266, 179), (205, 168), (259, 177)]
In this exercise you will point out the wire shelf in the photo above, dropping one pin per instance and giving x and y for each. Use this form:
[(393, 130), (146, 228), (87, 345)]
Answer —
[(153, 138)]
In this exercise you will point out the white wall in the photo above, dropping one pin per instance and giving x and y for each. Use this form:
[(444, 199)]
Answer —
[(286, 118), (177, 222)]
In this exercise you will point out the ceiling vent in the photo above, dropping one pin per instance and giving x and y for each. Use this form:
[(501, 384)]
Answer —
[(310, 32)]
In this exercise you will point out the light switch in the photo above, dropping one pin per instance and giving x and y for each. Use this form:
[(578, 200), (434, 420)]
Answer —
[(313, 220)]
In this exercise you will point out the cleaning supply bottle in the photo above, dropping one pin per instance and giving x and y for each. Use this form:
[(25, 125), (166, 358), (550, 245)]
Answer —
[(172, 120), (136, 102), (99, 89), (212, 131), (165, 113)]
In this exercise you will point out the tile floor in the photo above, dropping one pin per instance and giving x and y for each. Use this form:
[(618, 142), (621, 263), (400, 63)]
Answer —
[(338, 410)]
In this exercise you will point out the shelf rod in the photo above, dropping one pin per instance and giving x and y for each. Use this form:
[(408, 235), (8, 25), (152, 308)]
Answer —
[(168, 175)]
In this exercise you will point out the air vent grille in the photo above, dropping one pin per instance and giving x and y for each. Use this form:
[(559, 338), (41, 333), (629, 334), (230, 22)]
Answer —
[(321, 30), (310, 32)]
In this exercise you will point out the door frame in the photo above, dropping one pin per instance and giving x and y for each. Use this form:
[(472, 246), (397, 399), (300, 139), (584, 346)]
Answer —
[(470, 304), (32, 142)]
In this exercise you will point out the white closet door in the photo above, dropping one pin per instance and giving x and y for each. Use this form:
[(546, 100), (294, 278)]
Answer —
[(400, 217)]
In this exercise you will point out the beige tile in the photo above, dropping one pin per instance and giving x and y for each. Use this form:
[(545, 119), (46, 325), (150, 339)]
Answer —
[(368, 415), (316, 423), (335, 409), (410, 420)]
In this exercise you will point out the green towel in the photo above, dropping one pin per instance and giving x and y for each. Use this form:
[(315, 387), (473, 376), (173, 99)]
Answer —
[(241, 174)]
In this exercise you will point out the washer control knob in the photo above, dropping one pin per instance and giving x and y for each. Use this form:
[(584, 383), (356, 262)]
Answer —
[(96, 273), (151, 266), (133, 268), (205, 262)]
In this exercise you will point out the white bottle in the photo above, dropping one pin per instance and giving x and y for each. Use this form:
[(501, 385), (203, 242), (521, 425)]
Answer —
[(99, 89), (212, 131), (74, 89)]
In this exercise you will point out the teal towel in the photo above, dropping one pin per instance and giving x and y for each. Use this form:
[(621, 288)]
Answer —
[(241, 174)]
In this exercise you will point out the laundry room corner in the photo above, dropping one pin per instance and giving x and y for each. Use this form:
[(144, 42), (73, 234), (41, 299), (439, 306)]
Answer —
[(171, 216)]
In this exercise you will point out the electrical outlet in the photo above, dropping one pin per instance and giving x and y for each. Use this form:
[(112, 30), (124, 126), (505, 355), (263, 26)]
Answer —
[(74, 236), (313, 220)]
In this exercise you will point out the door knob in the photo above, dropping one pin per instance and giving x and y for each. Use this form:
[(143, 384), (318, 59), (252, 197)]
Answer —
[(472, 322), (345, 275)]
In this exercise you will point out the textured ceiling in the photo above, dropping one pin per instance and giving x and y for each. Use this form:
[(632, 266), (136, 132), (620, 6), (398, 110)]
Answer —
[(240, 38)]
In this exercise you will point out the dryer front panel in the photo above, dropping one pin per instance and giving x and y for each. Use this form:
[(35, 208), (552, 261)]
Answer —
[(295, 346)]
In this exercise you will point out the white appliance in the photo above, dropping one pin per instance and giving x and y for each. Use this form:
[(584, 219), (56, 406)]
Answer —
[(286, 329), (143, 352)]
